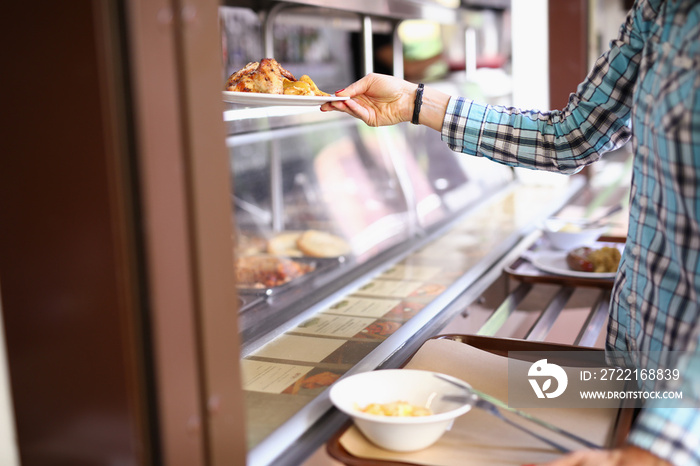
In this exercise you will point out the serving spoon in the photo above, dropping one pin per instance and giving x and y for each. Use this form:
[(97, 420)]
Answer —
[(601, 219), (491, 405)]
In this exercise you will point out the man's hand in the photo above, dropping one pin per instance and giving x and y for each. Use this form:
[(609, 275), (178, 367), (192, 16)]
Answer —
[(625, 456)]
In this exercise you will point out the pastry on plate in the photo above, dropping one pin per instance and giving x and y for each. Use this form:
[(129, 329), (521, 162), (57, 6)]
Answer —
[(316, 243), (284, 244)]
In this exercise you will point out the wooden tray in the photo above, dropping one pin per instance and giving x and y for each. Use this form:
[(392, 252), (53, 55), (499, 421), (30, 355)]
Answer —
[(500, 346)]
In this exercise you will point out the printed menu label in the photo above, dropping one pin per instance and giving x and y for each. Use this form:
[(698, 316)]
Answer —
[(363, 307), (389, 288), (268, 377), (299, 348), (336, 326), (411, 272)]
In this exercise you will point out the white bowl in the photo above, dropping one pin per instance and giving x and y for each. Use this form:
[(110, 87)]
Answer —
[(566, 234), (419, 388)]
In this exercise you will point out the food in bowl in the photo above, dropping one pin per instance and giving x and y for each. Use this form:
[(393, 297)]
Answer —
[(587, 259), (566, 234), (570, 228), (415, 387), (396, 408)]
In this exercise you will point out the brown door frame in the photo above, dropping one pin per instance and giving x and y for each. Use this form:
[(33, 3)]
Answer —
[(115, 236), (71, 291), (186, 190)]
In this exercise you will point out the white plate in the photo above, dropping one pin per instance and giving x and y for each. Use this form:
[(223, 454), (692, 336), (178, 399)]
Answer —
[(257, 99), (555, 262)]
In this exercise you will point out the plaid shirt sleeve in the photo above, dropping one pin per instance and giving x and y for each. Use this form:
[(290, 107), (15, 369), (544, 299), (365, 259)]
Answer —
[(596, 119)]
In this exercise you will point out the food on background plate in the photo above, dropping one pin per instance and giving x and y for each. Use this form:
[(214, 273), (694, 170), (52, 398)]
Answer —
[(316, 243), (285, 244), (247, 245), (396, 408), (269, 77), (587, 259), (313, 243), (263, 271)]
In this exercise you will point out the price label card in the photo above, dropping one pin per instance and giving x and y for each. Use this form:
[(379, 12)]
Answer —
[(299, 348), (389, 288), (411, 272), (268, 377), (335, 326), (363, 307)]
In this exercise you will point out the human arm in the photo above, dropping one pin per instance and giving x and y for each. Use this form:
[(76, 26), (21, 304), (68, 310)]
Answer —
[(382, 100), (624, 456), (596, 120)]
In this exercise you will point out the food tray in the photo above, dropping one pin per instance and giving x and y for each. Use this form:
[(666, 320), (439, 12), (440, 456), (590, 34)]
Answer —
[(318, 267), (500, 346), (246, 301)]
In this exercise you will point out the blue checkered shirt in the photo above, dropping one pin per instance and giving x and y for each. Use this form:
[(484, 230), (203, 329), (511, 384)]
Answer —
[(645, 87)]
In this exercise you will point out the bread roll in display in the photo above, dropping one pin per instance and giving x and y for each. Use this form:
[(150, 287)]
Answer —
[(285, 244), (316, 243)]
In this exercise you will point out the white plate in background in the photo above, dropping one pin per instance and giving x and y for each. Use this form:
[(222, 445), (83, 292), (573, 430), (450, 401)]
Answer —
[(555, 262)]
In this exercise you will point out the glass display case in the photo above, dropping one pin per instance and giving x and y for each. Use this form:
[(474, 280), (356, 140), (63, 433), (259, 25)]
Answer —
[(351, 244), (404, 228)]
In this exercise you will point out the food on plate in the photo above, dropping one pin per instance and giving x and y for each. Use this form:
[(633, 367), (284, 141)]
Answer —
[(305, 86), (263, 271), (247, 245), (396, 408), (269, 77), (285, 244), (587, 259), (313, 243), (316, 243), (266, 76)]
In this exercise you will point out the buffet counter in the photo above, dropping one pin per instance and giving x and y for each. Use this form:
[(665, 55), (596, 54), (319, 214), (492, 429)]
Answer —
[(380, 318), (406, 233)]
